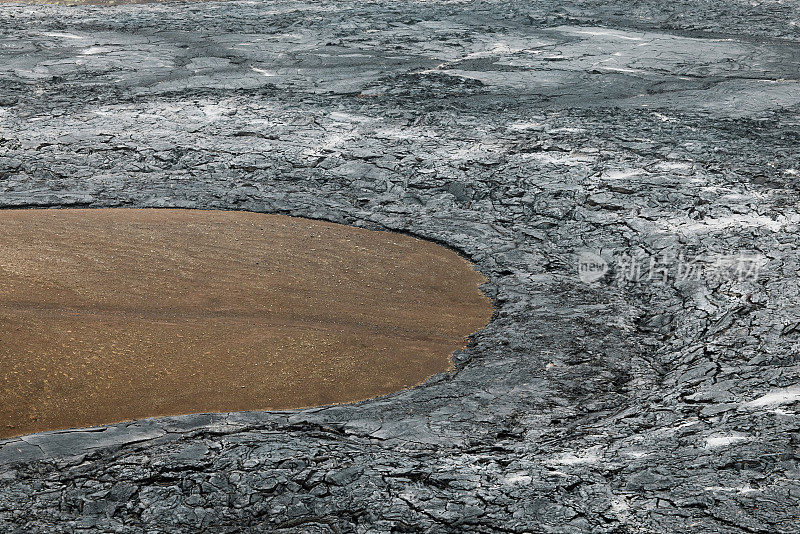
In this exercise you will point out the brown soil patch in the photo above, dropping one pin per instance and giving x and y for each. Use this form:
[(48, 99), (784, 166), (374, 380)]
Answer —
[(115, 314)]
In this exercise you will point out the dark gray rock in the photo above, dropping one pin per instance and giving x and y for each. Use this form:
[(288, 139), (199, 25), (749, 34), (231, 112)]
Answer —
[(521, 135)]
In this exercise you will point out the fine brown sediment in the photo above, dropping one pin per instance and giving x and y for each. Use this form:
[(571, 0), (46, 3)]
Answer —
[(115, 314)]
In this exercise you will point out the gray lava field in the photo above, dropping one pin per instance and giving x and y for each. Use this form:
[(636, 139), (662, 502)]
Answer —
[(529, 136)]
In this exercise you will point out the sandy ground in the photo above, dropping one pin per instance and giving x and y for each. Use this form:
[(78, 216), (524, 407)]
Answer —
[(114, 314)]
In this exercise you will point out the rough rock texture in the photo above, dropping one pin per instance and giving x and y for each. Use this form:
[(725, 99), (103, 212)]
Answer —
[(515, 132)]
